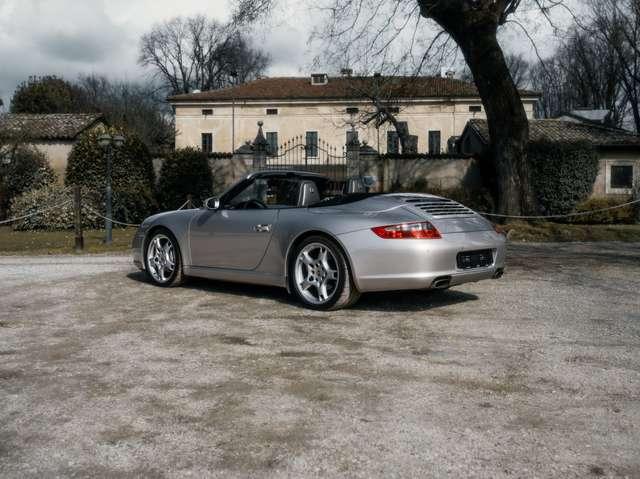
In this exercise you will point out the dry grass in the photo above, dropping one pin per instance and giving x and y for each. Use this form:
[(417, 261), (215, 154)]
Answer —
[(61, 242), (542, 231)]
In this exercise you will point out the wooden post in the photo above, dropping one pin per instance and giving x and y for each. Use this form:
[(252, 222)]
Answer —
[(77, 215), (189, 201)]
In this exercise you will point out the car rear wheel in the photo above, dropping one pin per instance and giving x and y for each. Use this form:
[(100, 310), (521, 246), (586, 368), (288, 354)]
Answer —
[(320, 276), (163, 263)]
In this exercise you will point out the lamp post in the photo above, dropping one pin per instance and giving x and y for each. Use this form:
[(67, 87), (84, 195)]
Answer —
[(108, 142), (234, 75)]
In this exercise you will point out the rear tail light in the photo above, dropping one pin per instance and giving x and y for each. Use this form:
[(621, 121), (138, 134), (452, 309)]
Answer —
[(423, 230)]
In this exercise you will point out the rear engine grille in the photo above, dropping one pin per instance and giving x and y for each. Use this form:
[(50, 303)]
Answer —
[(438, 206)]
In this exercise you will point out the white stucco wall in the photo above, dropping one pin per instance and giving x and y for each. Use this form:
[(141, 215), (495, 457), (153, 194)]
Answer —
[(327, 118), (57, 152)]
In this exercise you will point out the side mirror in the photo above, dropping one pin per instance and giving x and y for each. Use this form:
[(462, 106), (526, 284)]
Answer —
[(212, 203)]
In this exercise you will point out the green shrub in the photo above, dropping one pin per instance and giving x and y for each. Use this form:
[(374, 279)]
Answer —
[(562, 174), (28, 168), (132, 175), (625, 215), (184, 172), (59, 218)]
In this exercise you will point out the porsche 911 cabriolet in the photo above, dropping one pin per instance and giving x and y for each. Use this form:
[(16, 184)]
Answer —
[(289, 229)]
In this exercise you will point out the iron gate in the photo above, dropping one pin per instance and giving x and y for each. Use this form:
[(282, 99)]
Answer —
[(318, 157)]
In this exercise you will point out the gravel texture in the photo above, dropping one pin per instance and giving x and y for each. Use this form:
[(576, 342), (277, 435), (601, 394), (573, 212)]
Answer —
[(534, 375)]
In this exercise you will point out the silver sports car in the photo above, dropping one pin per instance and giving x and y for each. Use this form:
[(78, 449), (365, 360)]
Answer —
[(289, 229)]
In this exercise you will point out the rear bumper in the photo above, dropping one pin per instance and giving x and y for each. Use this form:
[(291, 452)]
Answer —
[(388, 265)]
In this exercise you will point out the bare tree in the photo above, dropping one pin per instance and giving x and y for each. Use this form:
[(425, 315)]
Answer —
[(583, 73), (473, 25), (617, 23), (199, 53), (136, 107)]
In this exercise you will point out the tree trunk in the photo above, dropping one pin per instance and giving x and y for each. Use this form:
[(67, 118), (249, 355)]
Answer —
[(475, 32), (508, 123)]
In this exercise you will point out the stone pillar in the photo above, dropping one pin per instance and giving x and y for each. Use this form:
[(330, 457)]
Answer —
[(370, 167), (260, 147), (353, 156)]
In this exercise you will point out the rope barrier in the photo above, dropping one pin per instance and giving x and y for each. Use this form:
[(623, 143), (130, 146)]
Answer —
[(110, 219), (59, 205), (569, 215)]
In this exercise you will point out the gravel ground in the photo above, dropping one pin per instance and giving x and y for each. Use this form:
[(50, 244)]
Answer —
[(535, 375)]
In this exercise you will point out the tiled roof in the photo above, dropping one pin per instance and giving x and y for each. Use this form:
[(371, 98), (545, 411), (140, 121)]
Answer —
[(339, 88), (568, 131), (55, 126)]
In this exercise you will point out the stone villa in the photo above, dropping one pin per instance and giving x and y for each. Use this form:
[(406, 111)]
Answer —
[(322, 108)]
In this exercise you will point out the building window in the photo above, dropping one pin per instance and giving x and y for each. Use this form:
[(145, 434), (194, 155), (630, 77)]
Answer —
[(319, 79), (207, 111), (393, 142), (475, 109), (272, 111), (393, 110), (207, 142), (621, 177), (312, 144), (352, 110), (272, 140), (434, 142)]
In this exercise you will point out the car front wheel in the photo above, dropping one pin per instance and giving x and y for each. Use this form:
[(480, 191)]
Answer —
[(163, 263), (320, 276)]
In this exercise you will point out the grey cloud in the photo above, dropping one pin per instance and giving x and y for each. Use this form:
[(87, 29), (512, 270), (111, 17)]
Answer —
[(80, 47)]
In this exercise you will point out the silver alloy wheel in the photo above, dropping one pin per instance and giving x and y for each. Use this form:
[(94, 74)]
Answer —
[(161, 258), (317, 273)]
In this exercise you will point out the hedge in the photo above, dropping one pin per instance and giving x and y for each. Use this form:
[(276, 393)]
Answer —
[(185, 172), (562, 174), (28, 168), (132, 176), (59, 218)]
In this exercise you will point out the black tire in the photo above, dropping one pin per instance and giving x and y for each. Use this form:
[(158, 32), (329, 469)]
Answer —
[(176, 277), (343, 292)]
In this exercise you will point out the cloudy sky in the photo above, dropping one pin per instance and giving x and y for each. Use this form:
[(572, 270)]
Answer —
[(69, 37)]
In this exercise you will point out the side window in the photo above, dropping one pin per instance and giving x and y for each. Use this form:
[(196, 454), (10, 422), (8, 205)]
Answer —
[(312, 144), (207, 142), (272, 140), (434, 143), (393, 142)]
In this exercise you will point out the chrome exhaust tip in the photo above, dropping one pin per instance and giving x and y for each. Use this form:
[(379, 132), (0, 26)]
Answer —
[(443, 282)]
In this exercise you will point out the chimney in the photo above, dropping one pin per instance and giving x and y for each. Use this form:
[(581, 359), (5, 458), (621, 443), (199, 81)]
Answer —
[(447, 73)]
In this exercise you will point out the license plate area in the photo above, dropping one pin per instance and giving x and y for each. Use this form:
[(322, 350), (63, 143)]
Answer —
[(475, 259)]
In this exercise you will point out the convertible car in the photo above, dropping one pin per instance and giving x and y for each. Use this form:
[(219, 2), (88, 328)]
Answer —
[(290, 229)]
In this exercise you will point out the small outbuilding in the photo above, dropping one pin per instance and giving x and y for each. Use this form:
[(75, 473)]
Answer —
[(52, 134), (619, 150)]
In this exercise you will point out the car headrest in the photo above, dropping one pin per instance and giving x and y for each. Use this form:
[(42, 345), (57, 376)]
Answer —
[(355, 185), (308, 194)]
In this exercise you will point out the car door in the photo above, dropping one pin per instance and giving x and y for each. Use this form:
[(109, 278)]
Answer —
[(231, 238)]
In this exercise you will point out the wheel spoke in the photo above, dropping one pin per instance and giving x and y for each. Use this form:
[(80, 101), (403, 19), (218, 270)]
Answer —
[(305, 258), (322, 292)]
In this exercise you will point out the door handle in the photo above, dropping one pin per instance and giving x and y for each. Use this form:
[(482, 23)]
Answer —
[(262, 228)]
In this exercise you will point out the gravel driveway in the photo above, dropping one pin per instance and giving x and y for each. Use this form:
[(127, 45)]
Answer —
[(538, 374)]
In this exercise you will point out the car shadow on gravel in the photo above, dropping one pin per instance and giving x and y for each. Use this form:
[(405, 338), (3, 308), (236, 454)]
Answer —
[(400, 301)]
